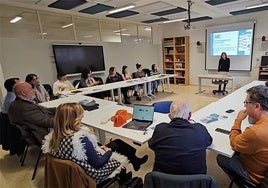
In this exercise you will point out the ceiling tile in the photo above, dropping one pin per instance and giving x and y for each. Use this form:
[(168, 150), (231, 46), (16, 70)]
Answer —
[(246, 11), (66, 4), (217, 2), (96, 9), (170, 11), (155, 20)]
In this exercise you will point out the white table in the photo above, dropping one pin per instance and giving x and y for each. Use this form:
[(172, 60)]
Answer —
[(76, 98), (211, 77), (94, 118), (221, 143), (118, 85)]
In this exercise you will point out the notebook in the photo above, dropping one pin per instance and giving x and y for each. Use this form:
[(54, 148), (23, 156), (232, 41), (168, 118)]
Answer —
[(143, 116)]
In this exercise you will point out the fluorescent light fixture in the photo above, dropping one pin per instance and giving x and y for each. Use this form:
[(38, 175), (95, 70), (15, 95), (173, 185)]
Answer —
[(147, 28), (16, 19), (118, 31), (43, 33), (257, 6), (177, 20), (88, 36), (123, 34), (68, 25), (121, 9)]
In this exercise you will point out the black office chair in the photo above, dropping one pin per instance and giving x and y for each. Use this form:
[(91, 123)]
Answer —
[(76, 84), (245, 183), (156, 179), (48, 88), (220, 82), (30, 139)]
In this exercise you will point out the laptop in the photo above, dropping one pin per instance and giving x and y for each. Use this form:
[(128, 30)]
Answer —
[(143, 116)]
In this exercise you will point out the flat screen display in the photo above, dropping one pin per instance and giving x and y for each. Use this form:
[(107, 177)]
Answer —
[(72, 59)]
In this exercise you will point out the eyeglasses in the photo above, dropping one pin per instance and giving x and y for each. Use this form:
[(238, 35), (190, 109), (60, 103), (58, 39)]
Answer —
[(247, 102)]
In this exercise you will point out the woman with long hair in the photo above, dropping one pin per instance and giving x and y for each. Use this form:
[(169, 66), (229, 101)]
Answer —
[(70, 141)]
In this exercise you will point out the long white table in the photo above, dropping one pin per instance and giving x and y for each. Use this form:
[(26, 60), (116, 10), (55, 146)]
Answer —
[(211, 77), (118, 85), (106, 110), (221, 143), (137, 136)]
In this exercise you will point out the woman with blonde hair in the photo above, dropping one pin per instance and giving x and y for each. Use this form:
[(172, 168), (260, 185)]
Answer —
[(70, 141)]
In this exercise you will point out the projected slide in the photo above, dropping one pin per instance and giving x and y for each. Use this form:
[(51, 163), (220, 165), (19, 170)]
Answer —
[(236, 40), (232, 42)]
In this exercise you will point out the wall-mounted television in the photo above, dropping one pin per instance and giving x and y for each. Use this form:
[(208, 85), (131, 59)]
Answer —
[(72, 59)]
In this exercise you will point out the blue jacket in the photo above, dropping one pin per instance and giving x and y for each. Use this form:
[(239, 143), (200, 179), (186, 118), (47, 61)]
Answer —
[(180, 147)]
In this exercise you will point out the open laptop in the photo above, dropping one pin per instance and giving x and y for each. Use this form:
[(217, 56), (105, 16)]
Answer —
[(143, 116)]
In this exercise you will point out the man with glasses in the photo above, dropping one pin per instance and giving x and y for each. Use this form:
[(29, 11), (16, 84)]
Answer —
[(41, 95), (250, 160)]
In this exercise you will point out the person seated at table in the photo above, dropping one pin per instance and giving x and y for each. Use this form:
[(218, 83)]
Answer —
[(87, 79), (10, 96), (250, 160), (223, 66), (180, 145), (139, 74), (116, 77), (24, 111), (62, 84), (41, 94), (155, 70), (125, 74), (70, 141)]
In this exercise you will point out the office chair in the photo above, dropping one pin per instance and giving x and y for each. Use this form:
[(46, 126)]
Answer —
[(48, 88), (156, 179), (220, 82), (65, 173), (30, 139), (76, 84), (245, 183), (162, 107)]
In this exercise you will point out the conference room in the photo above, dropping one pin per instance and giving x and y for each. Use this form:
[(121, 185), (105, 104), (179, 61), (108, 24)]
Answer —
[(29, 45)]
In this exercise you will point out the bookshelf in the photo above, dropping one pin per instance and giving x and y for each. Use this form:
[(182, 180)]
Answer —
[(176, 59)]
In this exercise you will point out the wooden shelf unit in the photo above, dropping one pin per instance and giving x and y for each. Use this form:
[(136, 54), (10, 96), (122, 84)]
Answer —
[(263, 73), (176, 58)]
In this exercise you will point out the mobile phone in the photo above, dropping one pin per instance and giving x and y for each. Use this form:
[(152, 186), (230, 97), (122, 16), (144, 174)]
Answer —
[(229, 111), (222, 131)]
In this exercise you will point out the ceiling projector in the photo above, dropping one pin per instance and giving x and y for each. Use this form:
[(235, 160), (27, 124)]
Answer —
[(188, 26)]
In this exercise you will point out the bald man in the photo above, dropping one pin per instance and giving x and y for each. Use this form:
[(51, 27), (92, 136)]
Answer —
[(24, 111), (180, 146)]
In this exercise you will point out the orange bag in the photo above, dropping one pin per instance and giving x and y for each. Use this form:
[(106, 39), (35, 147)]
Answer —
[(120, 117)]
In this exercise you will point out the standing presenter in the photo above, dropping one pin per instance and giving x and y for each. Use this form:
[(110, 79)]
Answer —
[(224, 66)]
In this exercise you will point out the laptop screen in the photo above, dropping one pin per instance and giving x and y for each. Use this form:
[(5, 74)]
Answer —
[(143, 112)]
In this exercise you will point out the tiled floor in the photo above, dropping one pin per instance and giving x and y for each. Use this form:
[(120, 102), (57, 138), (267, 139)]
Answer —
[(12, 175)]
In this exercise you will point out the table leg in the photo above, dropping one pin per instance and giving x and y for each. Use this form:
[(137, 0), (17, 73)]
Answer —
[(112, 94)]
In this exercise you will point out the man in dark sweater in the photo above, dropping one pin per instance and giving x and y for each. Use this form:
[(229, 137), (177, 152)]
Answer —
[(180, 146), (24, 111)]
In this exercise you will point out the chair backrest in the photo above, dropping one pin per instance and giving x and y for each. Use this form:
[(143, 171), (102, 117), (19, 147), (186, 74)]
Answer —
[(27, 134), (158, 179), (76, 83), (49, 89), (65, 173), (162, 107), (98, 79), (264, 182)]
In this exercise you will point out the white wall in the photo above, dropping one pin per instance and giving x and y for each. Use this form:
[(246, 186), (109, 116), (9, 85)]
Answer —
[(23, 56), (197, 54), (19, 57)]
